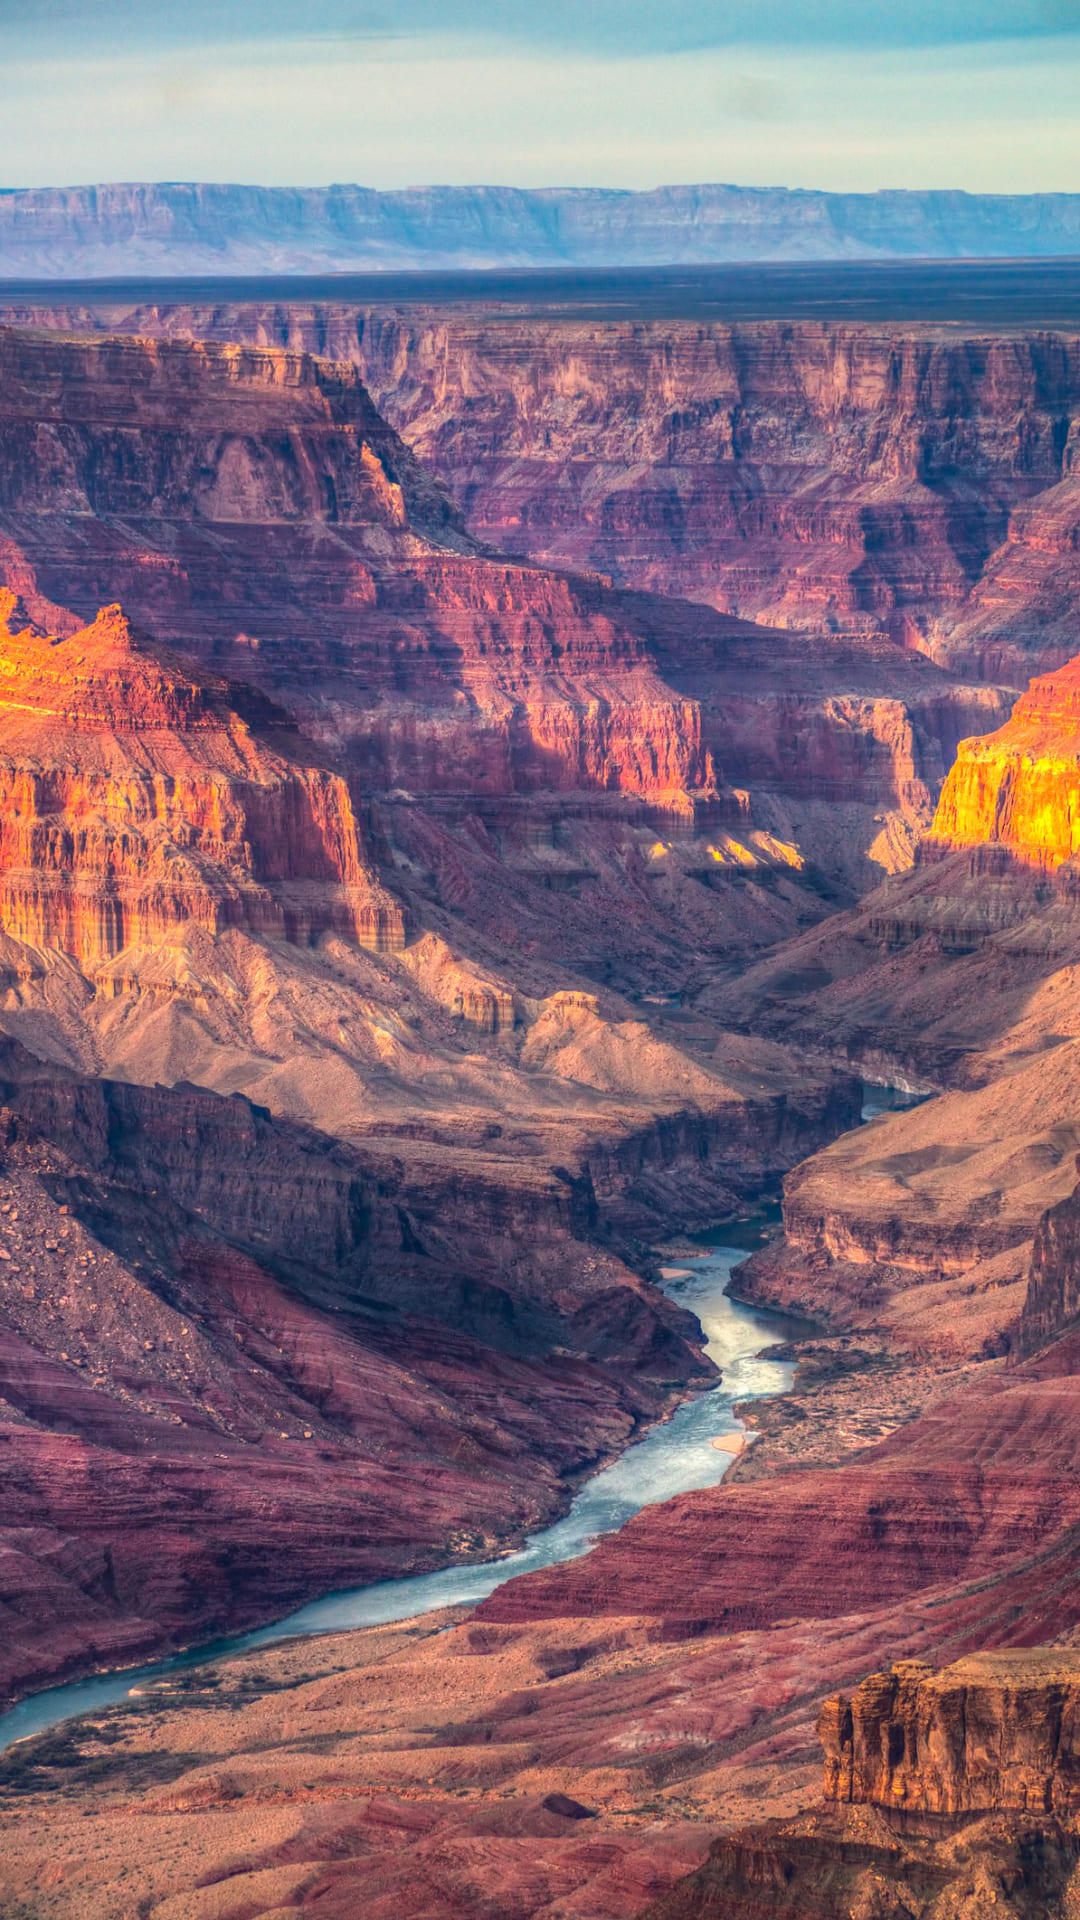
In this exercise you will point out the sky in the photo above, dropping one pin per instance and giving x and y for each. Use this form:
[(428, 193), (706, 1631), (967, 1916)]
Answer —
[(843, 94)]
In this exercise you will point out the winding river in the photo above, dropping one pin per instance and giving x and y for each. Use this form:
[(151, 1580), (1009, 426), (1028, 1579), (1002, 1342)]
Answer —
[(671, 1458), (674, 1457)]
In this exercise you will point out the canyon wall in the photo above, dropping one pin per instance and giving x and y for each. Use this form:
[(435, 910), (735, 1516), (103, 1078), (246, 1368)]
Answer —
[(997, 1732), (914, 481), (364, 1147), (236, 1367), (845, 718)]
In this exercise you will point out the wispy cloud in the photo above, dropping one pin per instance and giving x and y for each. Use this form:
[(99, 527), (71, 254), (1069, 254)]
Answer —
[(615, 26), (985, 116)]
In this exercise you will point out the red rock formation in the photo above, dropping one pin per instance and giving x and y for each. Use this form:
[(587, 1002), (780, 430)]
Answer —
[(135, 802), (1020, 787), (995, 1733)]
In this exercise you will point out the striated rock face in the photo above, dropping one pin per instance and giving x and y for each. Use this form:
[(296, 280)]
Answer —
[(136, 802), (877, 479), (996, 1732), (866, 478), (252, 508), (1020, 787)]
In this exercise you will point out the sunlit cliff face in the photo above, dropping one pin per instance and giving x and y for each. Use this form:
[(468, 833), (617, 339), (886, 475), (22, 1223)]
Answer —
[(1020, 786), (134, 802)]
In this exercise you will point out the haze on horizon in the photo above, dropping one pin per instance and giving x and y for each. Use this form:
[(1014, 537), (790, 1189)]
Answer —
[(972, 94)]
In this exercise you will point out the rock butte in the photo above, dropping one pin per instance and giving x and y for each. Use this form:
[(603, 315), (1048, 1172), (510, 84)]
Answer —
[(526, 918)]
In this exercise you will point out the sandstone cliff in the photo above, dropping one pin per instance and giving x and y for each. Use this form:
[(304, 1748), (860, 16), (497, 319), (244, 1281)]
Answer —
[(136, 802), (995, 1733), (1020, 787), (956, 1794)]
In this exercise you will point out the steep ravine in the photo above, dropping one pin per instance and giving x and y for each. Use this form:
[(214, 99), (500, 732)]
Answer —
[(693, 1447)]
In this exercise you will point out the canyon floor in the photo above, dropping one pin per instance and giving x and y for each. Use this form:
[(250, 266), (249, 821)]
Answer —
[(479, 796)]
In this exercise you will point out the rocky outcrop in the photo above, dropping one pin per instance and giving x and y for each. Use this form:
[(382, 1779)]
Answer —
[(135, 802), (995, 1733), (1020, 787), (1052, 1301), (950, 1792)]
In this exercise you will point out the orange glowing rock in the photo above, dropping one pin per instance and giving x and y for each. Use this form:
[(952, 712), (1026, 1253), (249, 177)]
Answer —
[(135, 800), (1020, 786)]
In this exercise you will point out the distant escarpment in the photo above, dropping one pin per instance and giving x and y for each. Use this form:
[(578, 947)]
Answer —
[(219, 227)]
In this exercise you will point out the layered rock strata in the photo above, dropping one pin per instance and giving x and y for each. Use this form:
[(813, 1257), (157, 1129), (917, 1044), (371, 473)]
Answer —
[(136, 802), (909, 480), (723, 464), (995, 1733)]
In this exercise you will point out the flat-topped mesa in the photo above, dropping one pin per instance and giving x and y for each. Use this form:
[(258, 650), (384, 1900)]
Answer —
[(994, 1732), (134, 801), (1020, 787)]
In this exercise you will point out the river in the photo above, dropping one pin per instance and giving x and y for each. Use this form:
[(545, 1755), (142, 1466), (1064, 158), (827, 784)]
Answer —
[(671, 1458), (674, 1457)]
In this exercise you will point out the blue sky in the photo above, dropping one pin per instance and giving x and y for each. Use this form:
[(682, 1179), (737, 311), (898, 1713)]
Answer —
[(848, 94)]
